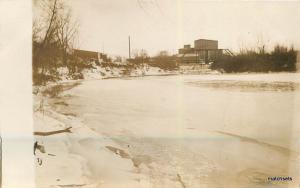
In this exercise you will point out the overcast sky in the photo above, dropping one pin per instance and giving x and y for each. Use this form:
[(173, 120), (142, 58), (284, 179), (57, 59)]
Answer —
[(168, 24)]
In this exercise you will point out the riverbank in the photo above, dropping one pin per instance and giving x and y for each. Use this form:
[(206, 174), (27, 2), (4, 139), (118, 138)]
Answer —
[(70, 159), (54, 163)]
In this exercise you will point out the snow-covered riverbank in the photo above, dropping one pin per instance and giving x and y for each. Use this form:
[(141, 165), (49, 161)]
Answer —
[(114, 71)]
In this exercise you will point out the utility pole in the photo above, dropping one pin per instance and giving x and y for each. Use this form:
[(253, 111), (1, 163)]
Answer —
[(129, 47)]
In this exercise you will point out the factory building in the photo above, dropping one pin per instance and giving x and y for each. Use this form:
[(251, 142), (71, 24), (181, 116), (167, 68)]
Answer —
[(204, 52)]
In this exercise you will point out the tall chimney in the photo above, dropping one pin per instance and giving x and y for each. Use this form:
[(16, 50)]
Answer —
[(129, 47)]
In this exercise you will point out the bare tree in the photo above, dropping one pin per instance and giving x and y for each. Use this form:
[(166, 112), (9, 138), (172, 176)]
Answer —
[(66, 32), (163, 53), (54, 32), (140, 53), (140, 56), (261, 43)]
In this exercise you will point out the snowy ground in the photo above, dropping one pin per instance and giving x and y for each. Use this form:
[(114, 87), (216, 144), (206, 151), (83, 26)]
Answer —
[(175, 131), (114, 71)]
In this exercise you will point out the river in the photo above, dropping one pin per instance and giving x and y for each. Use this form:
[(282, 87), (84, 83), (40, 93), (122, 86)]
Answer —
[(198, 130)]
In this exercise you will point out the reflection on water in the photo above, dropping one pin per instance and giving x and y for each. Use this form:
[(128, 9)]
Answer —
[(247, 86)]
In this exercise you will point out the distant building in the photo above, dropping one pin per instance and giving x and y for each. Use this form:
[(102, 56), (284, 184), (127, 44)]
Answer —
[(186, 49), (204, 52), (87, 55), (90, 55), (204, 44)]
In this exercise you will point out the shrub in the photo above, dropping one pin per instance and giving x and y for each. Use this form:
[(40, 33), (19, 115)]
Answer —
[(280, 59)]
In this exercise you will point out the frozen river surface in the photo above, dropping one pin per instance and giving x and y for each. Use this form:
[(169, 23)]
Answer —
[(198, 131)]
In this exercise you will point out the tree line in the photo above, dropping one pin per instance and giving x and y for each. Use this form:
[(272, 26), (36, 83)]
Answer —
[(162, 59), (280, 59)]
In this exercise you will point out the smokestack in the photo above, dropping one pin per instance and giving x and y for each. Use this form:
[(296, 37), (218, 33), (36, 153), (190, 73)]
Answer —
[(129, 47)]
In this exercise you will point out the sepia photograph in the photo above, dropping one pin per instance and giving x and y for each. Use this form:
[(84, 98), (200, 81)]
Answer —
[(165, 94)]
